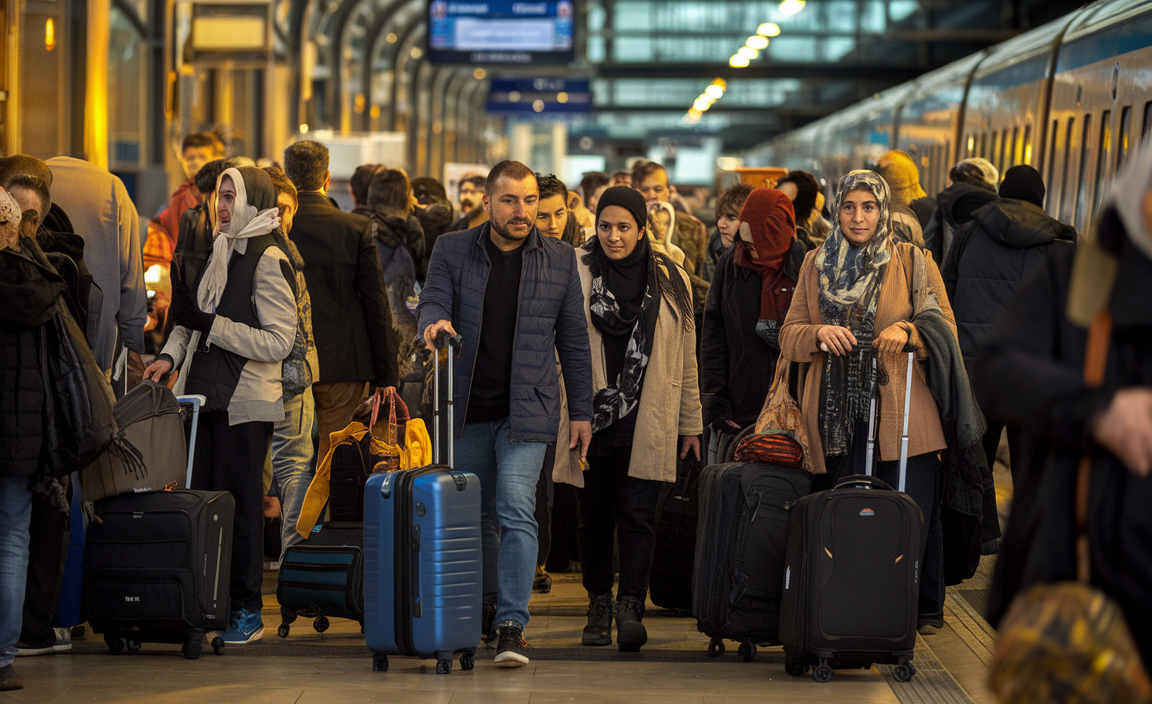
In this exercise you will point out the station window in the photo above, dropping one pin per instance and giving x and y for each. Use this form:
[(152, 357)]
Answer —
[(1103, 150), (1082, 189), (1062, 213), (1147, 119), (1124, 137)]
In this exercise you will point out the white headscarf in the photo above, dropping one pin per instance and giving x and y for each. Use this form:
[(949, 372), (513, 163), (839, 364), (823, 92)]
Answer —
[(1128, 197), (246, 222)]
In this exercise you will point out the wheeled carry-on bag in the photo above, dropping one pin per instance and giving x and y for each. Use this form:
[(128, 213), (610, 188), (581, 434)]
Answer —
[(851, 577), (323, 577), (670, 581), (159, 564), (739, 564), (422, 554)]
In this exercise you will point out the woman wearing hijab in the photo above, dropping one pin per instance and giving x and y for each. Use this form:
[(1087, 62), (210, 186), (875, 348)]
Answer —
[(855, 303), (229, 343), (646, 408), (661, 221), (751, 291)]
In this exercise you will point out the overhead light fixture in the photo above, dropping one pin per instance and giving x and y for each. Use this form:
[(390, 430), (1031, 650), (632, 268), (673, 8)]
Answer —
[(768, 29), (757, 42), (714, 91), (791, 7), (701, 105), (479, 74), (738, 61), (748, 52)]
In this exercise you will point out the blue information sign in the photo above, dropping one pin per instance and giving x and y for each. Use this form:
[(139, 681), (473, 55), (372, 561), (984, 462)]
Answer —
[(501, 31), (539, 96)]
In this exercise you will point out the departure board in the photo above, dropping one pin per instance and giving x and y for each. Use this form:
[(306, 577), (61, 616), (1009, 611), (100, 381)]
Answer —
[(501, 32)]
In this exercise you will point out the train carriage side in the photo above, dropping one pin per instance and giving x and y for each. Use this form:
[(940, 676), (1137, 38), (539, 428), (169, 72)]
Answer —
[(1101, 106)]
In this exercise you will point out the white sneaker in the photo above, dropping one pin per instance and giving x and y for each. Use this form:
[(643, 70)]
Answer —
[(63, 640)]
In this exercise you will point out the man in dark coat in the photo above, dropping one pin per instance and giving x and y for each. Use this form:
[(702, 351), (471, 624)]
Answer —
[(967, 193), (516, 299), (990, 259), (30, 289), (351, 317)]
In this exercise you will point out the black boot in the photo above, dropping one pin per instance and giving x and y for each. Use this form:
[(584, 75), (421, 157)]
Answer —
[(630, 632), (599, 628), (488, 625)]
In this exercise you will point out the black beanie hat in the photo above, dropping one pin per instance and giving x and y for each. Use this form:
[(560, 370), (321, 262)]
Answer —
[(1023, 183), (627, 198)]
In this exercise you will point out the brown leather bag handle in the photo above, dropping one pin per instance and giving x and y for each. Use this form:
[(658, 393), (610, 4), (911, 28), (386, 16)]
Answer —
[(393, 417), (1095, 365)]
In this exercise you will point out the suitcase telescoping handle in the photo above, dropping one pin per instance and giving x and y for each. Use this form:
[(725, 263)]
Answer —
[(871, 453), (195, 401), (443, 448)]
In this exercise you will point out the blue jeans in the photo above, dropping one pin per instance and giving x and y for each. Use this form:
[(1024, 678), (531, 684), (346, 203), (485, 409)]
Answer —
[(15, 517), (293, 462), (508, 474)]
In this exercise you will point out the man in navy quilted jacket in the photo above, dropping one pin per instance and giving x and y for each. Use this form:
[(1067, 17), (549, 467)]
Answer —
[(514, 297)]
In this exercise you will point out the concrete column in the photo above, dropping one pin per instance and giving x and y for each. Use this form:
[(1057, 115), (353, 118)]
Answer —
[(559, 148), (521, 147), (96, 77)]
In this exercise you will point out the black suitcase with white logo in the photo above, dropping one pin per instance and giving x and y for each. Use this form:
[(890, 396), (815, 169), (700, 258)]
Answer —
[(852, 573), (159, 567)]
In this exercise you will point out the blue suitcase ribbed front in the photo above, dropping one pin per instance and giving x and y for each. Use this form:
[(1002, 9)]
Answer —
[(422, 563)]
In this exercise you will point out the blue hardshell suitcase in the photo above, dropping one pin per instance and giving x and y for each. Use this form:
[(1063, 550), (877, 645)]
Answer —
[(70, 605), (423, 558)]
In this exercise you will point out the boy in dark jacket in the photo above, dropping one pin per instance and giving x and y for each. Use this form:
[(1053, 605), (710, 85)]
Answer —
[(990, 259)]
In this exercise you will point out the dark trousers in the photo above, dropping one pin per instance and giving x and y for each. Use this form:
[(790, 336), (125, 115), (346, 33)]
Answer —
[(545, 491), (1017, 449), (612, 502), (231, 458), (47, 550)]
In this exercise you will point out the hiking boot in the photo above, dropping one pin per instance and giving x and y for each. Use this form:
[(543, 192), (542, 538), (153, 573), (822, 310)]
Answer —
[(630, 632), (512, 650), (542, 584), (488, 626), (599, 628), (9, 680), (244, 626)]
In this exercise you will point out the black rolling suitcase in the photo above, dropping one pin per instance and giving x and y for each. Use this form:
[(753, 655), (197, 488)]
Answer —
[(670, 581), (851, 578), (739, 564), (323, 576)]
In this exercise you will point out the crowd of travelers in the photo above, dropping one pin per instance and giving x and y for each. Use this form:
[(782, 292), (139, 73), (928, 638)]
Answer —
[(607, 335)]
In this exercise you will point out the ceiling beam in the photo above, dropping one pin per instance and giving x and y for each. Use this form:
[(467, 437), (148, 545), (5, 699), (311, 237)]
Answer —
[(982, 36), (760, 69)]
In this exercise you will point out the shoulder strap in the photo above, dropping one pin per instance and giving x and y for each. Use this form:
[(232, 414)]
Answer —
[(1095, 364)]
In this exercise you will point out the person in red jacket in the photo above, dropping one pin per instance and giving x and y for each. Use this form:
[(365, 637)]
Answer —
[(197, 150)]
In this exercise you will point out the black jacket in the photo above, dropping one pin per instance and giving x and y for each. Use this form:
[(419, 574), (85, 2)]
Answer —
[(736, 365), (351, 318), (954, 208), (923, 207), (990, 258), (30, 290), (1032, 375)]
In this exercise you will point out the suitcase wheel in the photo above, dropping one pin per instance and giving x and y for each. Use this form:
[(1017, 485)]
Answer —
[(115, 645), (287, 615), (379, 663), (443, 667), (715, 648), (747, 651), (133, 645), (822, 673), (467, 661), (218, 645), (191, 650), (320, 624), (795, 667), (282, 631), (904, 672)]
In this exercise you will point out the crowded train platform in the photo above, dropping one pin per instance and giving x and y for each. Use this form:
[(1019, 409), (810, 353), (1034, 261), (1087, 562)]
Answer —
[(621, 351)]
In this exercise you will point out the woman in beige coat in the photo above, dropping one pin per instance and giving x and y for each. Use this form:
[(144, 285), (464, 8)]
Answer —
[(863, 285), (646, 406)]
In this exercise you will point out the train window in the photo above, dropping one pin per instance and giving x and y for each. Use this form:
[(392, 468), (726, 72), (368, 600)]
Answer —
[(1147, 119), (1052, 156), (1082, 182), (1026, 145), (1014, 153), (983, 145), (1062, 213), (1005, 151), (1123, 137), (1103, 150), (994, 150)]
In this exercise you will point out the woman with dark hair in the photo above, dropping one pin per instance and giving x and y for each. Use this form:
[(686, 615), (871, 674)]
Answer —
[(400, 242), (230, 340), (802, 189), (861, 298), (646, 407)]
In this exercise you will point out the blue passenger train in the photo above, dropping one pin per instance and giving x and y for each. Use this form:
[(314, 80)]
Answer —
[(1072, 98)]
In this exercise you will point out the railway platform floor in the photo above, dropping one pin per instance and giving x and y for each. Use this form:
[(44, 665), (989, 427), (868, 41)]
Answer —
[(334, 667)]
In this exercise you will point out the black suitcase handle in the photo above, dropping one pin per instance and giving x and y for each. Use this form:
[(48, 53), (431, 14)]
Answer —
[(862, 481)]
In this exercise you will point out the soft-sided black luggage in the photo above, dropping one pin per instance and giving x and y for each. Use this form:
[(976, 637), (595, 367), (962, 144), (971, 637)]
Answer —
[(740, 552), (851, 578), (158, 568), (670, 581), (323, 576)]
